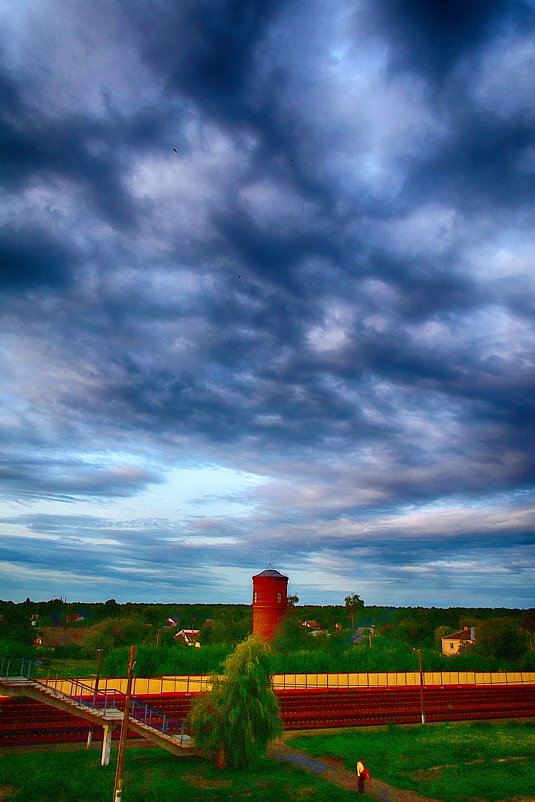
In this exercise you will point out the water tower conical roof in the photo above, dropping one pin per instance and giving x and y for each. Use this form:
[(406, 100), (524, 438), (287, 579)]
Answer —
[(271, 572)]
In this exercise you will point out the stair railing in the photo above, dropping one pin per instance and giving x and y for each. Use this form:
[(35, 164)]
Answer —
[(86, 695), (112, 698)]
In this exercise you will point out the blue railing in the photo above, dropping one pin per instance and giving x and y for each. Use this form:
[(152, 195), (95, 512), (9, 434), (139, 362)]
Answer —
[(87, 696), (18, 667), (148, 715)]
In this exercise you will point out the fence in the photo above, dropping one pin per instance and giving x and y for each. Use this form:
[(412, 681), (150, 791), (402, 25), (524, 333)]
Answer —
[(399, 679), (200, 682), (141, 685), (195, 683)]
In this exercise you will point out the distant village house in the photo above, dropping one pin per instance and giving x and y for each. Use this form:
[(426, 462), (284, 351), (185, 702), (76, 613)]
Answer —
[(451, 644), (189, 637)]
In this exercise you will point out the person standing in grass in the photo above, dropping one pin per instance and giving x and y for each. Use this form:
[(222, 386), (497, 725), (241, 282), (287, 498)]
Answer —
[(362, 774)]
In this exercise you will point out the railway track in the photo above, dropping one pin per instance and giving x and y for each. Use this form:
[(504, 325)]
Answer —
[(24, 721)]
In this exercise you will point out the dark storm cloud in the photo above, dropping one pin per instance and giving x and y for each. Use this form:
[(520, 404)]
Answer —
[(68, 480), (10, 100), (130, 554), (432, 36), (295, 243), (30, 258), (428, 287), (206, 50), (479, 167), (270, 255), (92, 153), (142, 536), (208, 53)]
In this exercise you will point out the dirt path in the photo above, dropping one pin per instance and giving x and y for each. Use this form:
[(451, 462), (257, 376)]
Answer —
[(335, 773)]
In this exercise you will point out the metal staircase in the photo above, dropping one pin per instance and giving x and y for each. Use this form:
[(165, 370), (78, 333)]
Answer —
[(96, 707)]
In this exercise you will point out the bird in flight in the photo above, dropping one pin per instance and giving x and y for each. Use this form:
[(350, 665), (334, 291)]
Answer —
[(176, 151)]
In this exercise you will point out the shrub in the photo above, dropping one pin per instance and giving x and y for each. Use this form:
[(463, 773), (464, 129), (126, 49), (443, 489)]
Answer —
[(15, 649), (153, 661)]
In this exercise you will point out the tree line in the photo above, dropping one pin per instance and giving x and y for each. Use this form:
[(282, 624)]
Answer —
[(504, 636)]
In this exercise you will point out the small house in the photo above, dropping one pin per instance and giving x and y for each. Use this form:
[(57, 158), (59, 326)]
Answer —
[(189, 637), (451, 644)]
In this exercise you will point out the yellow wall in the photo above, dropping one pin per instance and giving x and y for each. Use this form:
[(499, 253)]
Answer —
[(448, 643), (196, 683)]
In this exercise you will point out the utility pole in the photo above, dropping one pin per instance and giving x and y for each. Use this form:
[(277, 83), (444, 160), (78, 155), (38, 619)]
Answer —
[(118, 789), (95, 691), (420, 666)]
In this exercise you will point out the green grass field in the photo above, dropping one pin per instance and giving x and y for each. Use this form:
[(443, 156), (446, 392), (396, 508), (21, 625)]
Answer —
[(68, 668), (152, 775), (469, 762)]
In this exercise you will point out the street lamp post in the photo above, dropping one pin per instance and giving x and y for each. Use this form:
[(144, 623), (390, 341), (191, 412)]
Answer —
[(420, 667), (117, 791)]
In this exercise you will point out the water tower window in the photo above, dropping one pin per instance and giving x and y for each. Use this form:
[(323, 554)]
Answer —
[(279, 598)]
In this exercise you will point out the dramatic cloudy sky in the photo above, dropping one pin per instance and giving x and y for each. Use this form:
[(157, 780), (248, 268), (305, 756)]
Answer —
[(267, 288)]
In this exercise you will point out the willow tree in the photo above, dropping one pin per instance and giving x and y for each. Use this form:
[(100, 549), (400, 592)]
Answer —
[(234, 722), (354, 604)]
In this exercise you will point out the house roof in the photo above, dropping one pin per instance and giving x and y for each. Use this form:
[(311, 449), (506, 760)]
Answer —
[(62, 636), (187, 636), (463, 634)]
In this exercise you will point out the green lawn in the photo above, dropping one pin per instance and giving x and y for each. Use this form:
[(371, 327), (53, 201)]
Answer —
[(68, 668), (467, 762), (152, 775)]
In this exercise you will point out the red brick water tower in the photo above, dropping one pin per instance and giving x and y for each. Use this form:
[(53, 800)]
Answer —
[(270, 602)]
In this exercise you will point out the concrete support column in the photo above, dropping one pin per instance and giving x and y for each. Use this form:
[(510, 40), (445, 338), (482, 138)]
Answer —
[(106, 745)]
